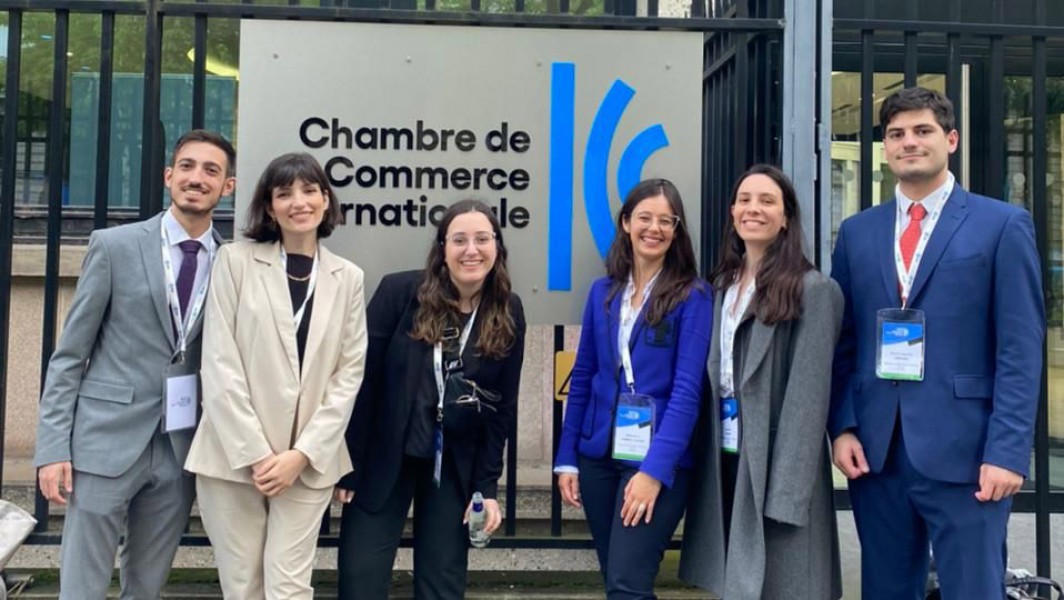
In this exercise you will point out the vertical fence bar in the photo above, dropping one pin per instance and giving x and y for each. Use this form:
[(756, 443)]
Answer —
[(199, 73), (556, 435), (911, 68), (953, 82), (56, 144), (8, 164), (151, 201), (103, 139), (994, 185), (1039, 108), (867, 135), (511, 480)]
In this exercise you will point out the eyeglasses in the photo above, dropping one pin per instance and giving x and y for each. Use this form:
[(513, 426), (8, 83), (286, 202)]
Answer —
[(665, 222), (461, 240)]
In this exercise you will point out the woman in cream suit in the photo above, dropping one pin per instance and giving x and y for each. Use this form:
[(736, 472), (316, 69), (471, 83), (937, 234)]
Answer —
[(283, 352)]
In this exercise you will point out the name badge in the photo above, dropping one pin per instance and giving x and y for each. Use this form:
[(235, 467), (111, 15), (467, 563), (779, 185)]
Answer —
[(181, 403), (729, 425), (437, 447), (900, 345), (633, 427)]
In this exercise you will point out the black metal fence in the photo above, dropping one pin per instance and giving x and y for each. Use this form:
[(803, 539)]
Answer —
[(741, 120)]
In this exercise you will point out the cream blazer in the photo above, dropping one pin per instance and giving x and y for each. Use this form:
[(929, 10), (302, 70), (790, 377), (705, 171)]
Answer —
[(256, 400)]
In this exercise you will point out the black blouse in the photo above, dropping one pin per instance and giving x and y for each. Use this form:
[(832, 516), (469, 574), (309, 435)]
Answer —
[(299, 268), (422, 424)]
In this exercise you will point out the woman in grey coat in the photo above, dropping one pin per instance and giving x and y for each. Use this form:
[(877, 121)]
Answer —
[(761, 522)]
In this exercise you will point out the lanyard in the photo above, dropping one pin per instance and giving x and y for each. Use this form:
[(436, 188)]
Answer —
[(729, 325), (298, 318), (182, 325), (628, 317), (906, 278), (437, 359)]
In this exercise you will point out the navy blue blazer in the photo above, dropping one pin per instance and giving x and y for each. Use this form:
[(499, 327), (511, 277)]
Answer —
[(669, 361), (980, 286)]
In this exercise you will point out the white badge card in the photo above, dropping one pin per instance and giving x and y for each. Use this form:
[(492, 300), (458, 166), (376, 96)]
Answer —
[(901, 344), (181, 403), (633, 427), (729, 425)]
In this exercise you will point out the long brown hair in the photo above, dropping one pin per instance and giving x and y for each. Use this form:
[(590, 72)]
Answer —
[(438, 298), (779, 276), (679, 272)]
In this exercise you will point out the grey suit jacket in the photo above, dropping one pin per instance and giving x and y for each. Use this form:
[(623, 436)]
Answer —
[(783, 540), (103, 397)]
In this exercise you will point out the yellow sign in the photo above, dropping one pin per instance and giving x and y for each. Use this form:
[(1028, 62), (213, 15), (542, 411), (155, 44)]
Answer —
[(563, 371)]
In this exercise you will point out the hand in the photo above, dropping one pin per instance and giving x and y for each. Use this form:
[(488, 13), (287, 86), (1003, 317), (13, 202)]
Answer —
[(343, 496), (996, 483), (639, 497), (279, 473), (491, 511), (56, 481), (848, 455), (569, 486)]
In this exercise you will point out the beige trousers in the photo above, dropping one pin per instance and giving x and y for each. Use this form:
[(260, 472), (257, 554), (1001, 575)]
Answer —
[(264, 547)]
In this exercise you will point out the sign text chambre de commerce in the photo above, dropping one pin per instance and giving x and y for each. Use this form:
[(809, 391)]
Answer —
[(381, 187)]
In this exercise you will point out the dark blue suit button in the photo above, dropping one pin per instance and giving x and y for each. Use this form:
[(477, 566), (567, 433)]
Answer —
[(894, 383)]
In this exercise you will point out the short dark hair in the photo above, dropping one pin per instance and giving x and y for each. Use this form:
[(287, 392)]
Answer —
[(210, 137), (281, 172), (918, 98)]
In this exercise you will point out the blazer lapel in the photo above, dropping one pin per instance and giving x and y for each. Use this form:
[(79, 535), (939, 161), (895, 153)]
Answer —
[(152, 257), (325, 291), (613, 319), (760, 341), (953, 214), (884, 240), (275, 282)]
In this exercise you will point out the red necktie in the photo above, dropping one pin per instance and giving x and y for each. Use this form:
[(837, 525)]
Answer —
[(911, 236)]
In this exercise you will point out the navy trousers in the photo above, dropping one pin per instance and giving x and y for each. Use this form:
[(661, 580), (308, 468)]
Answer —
[(899, 513), (629, 557)]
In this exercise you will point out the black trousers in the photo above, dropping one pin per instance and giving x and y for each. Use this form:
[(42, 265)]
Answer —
[(369, 541), (629, 557)]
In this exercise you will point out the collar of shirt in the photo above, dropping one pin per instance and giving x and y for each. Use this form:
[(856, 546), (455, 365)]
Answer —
[(629, 290), (177, 233), (932, 202)]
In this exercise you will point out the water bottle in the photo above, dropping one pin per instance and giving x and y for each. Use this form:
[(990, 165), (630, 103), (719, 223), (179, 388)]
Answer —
[(478, 538)]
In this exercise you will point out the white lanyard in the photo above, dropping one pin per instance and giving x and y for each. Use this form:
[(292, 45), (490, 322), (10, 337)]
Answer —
[(730, 321), (437, 358), (628, 317), (906, 278), (297, 320), (182, 325)]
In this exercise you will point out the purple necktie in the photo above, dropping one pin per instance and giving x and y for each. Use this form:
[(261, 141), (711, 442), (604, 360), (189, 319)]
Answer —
[(186, 277)]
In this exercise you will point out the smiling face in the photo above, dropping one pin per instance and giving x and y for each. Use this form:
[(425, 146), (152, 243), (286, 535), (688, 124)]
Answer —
[(916, 147), (470, 250), (298, 207), (198, 179), (757, 213), (651, 228)]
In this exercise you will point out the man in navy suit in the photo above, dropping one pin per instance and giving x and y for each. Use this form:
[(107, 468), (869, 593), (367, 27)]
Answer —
[(937, 371)]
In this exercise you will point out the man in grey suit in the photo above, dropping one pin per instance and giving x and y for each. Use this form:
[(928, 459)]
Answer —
[(119, 404)]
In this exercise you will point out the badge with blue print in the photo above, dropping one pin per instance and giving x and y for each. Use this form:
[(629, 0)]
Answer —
[(900, 345), (633, 427), (729, 425)]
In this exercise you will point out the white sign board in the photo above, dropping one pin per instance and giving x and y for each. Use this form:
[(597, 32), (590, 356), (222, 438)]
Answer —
[(549, 127)]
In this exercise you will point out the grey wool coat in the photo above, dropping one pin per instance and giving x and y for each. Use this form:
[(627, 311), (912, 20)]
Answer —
[(784, 541)]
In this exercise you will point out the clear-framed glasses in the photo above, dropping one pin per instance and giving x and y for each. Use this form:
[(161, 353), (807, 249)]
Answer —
[(461, 240), (665, 222)]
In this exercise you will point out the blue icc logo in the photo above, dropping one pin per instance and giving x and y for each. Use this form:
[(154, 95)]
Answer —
[(596, 167)]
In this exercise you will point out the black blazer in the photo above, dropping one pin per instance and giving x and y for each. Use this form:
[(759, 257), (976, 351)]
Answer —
[(376, 433)]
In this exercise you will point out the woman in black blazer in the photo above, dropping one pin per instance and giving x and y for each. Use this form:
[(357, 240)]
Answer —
[(463, 294)]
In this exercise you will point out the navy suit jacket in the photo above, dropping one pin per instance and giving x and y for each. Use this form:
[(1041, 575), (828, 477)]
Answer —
[(980, 287), (669, 361)]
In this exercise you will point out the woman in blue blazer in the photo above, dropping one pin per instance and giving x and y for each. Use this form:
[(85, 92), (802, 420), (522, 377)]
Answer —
[(635, 388)]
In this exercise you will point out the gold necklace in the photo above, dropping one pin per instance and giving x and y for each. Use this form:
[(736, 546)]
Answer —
[(300, 279)]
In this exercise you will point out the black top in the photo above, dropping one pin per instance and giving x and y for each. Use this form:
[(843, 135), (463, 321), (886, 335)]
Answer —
[(299, 268), (422, 425), (396, 365)]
